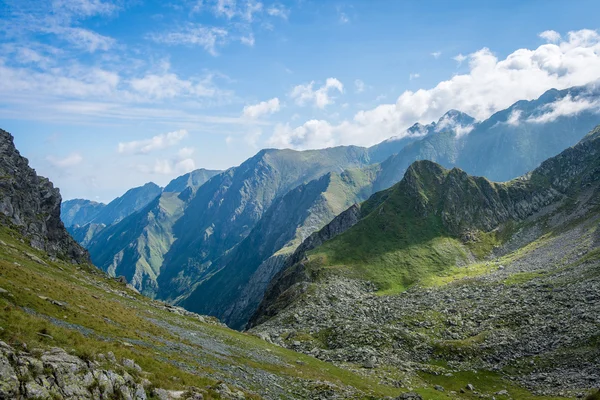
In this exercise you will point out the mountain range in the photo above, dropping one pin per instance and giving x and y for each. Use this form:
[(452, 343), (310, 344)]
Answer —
[(449, 269), (214, 248), (444, 285)]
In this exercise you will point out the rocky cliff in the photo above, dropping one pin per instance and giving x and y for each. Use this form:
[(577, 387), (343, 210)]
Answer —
[(32, 204)]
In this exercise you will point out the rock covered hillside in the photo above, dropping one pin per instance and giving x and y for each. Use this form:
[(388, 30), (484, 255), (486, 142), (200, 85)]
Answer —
[(445, 274), (31, 203)]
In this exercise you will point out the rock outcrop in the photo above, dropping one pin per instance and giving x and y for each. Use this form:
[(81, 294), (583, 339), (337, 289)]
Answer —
[(56, 374), (32, 203)]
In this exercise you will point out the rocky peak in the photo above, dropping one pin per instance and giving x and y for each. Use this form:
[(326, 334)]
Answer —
[(32, 203)]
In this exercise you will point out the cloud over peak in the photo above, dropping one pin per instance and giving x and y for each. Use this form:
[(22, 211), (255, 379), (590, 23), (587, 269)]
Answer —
[(491, 84)]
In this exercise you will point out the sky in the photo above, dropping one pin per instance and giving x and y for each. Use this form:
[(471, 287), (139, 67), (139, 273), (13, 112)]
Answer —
[(105, 95)]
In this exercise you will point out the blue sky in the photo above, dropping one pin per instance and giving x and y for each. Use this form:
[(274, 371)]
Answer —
[(103, 95)]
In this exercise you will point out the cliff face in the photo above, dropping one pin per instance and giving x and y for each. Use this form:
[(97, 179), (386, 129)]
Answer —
[(32, 203)]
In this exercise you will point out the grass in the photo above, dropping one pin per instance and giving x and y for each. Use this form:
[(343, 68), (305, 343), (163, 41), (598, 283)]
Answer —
[(485, 382), (96, 319)]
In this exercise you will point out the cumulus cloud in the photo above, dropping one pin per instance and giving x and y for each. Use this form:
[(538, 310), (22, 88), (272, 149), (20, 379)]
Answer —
[(69, 161), (436, 54), (567, 106), (550, 36), (490, 85), (312, 134), (321, 97), (262, 108), (414, 76), (157, 142)]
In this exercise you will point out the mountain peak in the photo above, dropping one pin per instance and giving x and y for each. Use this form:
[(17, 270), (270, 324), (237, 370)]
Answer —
[(32, 203), (455, 118)]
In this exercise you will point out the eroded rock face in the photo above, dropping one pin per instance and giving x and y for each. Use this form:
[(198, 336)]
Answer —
[(32, 203), (56, 374)]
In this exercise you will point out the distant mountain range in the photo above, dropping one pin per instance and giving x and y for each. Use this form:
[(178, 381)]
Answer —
[(214, 242)]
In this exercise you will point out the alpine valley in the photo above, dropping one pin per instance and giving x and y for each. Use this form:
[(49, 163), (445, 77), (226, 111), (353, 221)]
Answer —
[(458, 260)]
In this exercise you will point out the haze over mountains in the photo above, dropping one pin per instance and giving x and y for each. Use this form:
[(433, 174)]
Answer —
[(213, 245)]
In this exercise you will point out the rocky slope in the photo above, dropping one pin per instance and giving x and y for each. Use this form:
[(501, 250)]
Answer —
[(32, 204), (445, 274)]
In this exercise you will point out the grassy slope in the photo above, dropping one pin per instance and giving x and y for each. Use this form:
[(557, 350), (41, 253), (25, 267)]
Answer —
[(393, 246), (98, 319)]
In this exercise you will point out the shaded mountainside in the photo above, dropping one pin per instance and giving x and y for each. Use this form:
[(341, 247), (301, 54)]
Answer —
[(235, 289), (135, 246), (79, 211), (226, 208), (456, 271), (32, 204)]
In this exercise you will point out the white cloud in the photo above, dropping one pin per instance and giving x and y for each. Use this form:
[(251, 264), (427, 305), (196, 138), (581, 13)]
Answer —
[(70, 161), (567, 106), (157, 142), (84, 8), (490, 85), (252, 7), (86, 39), (185, 152), (459, 58), (414, 76), (359, 86), (514, 119), (169, 85), (344, 18), (436, 54), (184, 166), (550, 36), (262, 108), (226, 8), (194, 34), (312, 134), (277, 10), (321, 97), (248, 40)]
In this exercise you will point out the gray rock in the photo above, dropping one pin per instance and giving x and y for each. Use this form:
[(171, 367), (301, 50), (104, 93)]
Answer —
[(32, 203)]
